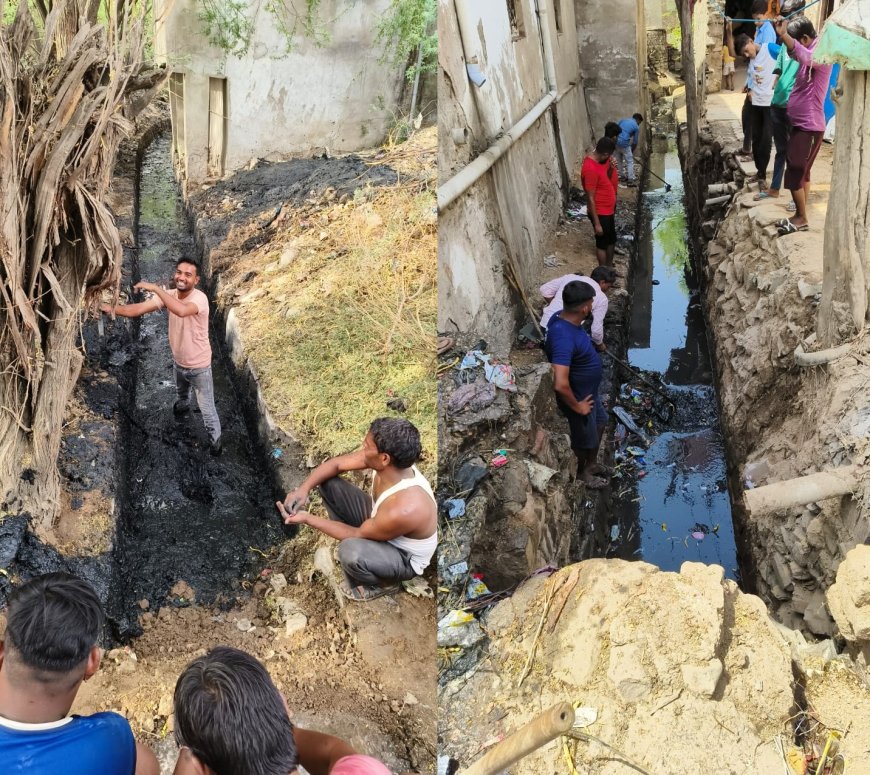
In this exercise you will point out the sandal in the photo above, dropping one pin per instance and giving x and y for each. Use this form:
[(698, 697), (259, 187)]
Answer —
[(444, 344), (790, 228), (791, 207), (362, 593), (595, 483), (762, 195)]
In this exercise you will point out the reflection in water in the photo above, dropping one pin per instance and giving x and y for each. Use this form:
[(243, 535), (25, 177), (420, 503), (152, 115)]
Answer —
[(677, 508)]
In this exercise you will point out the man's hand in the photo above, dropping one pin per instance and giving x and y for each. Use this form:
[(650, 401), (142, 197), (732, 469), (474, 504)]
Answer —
[(107, 308), (292, 518), (586, 406), (602, 348), (599, 231), (746, 90), (295, 500), (145, 286)]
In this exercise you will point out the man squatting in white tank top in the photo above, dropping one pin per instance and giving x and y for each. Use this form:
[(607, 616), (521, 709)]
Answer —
[(388, 536)]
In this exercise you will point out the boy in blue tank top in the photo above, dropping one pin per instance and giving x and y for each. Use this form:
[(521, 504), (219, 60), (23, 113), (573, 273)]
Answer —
[(50, 646)]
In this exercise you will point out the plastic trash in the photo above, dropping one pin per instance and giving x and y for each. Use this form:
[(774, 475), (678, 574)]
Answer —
[(476, 588), (635, 451), (457, 569), (501, 375), (614, 533), (628, 421), (277, 453), (584, 717), (500, 458), (471, 359), (455, 507), (698, 535)]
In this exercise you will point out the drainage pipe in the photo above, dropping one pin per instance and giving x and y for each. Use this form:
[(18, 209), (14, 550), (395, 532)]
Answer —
[(801, 491), (452, 189), (820, 357)]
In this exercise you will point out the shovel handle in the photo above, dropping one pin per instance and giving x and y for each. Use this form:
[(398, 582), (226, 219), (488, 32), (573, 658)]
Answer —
[(538, 732)]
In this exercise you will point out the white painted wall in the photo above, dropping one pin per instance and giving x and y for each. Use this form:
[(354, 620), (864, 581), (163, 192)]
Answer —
[(511, 211), (338, 96)]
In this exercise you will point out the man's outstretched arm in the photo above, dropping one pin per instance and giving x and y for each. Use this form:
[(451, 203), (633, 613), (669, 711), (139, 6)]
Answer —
[(353, 461), (319, 753), (146, 761), (131, 310)]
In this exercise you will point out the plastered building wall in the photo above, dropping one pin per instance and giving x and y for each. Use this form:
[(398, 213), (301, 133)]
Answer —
[(509, 213), (611, 39), (338, 97)]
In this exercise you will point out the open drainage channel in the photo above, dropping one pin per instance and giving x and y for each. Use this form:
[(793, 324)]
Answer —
[(185, 516), (669, 499)]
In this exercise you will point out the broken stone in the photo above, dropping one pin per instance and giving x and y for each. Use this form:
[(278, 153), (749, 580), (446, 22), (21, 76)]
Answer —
[(278, 582), (816, 615), (291, 615), (627, 673), (807, 289), (702, 679), (244, 625), (849, 596)]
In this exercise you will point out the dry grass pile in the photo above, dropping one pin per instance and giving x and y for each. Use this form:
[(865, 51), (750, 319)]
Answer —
[(341, 315)]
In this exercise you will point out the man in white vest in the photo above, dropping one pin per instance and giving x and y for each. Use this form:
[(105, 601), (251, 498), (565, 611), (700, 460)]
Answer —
[(387, 536)]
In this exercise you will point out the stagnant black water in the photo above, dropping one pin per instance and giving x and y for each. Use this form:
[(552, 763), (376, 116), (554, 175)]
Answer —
[(670, 500), (186, 515)]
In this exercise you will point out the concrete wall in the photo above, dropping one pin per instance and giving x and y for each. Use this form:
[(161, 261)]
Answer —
[(509, 213), (338, 96), (611, 36)]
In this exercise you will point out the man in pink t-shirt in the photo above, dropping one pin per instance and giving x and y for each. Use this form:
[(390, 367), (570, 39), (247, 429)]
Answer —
[(188, 339)]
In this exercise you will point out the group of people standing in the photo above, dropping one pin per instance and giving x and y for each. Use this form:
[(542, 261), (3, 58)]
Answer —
[(785, 106)]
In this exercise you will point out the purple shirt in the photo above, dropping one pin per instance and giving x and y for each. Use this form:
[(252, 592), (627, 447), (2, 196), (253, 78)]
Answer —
[(806, 104)]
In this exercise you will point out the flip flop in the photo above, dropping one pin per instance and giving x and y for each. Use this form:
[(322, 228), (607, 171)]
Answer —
[(762, 195), (595, 483), (790, 228), (362, 594), (782, 223), (444, 344)]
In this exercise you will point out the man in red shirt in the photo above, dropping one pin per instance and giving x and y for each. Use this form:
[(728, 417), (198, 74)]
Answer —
[(600, 181)]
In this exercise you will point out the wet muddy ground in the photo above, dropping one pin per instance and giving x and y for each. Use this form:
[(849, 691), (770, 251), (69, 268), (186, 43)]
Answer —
[(187, 516), (670, 500)]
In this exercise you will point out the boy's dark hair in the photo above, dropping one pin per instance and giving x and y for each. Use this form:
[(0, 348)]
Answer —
[(398, 438), (53, 622), (800, 26), (638, 117), (760, 7), (192, 261), (605, 145), (604, 274), (231, 716), (575, 294), (612, 129), (740, 43)]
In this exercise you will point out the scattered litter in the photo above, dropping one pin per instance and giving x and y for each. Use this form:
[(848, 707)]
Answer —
[(614, 533), (458, 569), (500, 458), (470, 474), (459, 628), (656, 282), (552, 261), (474, 395), (664, 527), (576, 212), (476, 588), (167, 383), (472, 359), (584, 717), (530, 333), (539, 475), (500, 374), (455, 507), (277, 453), (628, 421), (698, 535), (417, 587)]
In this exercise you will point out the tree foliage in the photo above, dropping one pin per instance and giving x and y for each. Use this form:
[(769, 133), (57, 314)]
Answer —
[(409, 26)]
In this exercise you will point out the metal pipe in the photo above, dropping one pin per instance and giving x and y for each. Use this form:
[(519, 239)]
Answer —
[(801, 491)]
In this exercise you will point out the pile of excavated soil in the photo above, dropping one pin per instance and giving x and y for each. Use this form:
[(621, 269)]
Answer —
[(684, 671)]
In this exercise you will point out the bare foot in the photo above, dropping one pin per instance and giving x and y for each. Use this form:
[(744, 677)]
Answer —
[(594, 482)]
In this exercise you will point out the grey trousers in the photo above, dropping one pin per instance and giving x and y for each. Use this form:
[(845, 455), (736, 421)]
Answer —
[(625, 158), (363, 561), (201, 382)]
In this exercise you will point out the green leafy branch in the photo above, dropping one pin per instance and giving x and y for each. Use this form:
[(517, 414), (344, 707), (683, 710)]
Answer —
[(409, 27)]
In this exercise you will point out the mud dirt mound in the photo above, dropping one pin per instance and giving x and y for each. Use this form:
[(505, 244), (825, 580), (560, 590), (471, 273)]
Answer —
[(682, 669), (254, 192)]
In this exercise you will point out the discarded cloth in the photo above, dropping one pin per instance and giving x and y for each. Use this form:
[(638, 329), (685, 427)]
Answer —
[(455, 507), (474, 395), (501, 375)]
